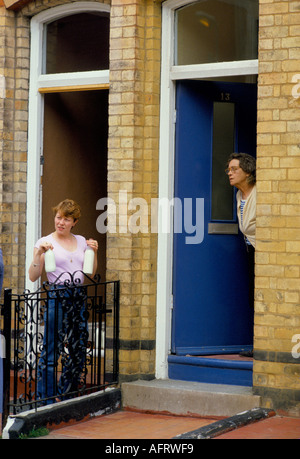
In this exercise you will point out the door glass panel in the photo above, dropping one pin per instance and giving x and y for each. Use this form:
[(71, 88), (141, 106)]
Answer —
[(216, 31), (77, 43), (223, 146)]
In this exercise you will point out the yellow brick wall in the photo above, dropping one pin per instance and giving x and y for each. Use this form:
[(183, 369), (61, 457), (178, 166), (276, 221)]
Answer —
[(13, 148), (133, 167), (277, 317)]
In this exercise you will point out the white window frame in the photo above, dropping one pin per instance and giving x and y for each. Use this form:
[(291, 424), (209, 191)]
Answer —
[(169, 75), (40, 83)]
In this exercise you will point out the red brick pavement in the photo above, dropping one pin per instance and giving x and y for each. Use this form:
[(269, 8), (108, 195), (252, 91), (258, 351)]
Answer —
[(133, 425)]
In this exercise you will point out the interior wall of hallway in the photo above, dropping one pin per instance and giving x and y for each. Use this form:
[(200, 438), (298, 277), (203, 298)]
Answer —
[(277, 318), (133, 169)]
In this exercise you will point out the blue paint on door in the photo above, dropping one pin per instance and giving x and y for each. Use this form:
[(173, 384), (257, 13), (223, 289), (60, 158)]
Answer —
[(211, 313)]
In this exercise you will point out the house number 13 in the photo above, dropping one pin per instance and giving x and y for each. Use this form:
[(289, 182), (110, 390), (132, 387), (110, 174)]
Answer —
[(225, 96)]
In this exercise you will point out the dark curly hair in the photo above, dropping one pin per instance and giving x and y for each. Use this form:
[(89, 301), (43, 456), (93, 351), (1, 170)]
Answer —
[(247, 163)]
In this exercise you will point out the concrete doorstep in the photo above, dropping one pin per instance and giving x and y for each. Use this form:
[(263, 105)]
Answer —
[(188, 398)]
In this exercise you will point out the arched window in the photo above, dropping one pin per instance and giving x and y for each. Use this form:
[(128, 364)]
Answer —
[(77, 43)]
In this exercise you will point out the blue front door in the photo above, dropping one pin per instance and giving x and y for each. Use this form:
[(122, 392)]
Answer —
[(211, 313)]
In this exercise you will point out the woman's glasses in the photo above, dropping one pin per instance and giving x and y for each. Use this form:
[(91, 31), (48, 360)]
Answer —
[(231, 169)]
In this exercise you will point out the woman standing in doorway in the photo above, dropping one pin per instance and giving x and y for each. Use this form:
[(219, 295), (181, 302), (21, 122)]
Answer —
[(68, 248), (241, 171), (65, 313)]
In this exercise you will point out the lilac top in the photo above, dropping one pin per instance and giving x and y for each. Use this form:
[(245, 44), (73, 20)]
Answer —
[(66, 261)]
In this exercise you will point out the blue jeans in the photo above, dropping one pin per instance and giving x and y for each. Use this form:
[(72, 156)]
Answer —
[(65, 336)]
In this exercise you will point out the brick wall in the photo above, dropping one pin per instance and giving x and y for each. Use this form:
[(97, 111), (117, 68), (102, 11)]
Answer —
[(14, 72), (277, 318), (133, 167)]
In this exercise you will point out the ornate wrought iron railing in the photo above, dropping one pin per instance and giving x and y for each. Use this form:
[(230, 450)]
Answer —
[(61, 342)]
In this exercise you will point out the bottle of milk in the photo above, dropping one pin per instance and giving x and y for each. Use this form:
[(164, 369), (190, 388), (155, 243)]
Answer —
[(88, 263), (50, 264)]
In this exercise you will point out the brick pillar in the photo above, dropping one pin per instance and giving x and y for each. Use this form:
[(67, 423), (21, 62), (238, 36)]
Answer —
[(277, 318), (14, 74), (133, 168)]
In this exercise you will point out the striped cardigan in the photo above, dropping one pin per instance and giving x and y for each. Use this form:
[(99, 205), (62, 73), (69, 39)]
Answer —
[(249, 215)]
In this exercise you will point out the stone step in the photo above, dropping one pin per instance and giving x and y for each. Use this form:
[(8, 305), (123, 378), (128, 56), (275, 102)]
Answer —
[(188, 398)]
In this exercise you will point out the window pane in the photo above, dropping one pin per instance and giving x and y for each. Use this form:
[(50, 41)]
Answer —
[(223, 146), (216, 31), (78, 43)]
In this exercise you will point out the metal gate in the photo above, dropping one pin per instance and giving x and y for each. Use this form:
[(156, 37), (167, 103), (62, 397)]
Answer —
[(62, 341)]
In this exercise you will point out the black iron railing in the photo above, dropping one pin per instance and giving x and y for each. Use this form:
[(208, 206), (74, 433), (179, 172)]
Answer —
[(61, 342)]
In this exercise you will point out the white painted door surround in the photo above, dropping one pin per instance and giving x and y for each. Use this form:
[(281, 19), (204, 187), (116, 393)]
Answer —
[(169, 75)]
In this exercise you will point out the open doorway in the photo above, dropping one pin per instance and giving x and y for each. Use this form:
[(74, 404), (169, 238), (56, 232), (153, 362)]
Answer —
[(199, 47), (68, 118), (75, 159), (212, 320)]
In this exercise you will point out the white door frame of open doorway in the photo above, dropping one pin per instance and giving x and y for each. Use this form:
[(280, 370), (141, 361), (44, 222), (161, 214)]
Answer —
[(39, 84), (169, 75)]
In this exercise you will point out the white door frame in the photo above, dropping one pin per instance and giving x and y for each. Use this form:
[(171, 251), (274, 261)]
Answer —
[(38, 82), (169, 75)]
